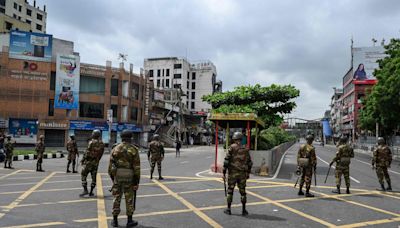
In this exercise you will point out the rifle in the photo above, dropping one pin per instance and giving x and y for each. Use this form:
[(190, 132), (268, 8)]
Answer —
[(134, 199), (299, 174), (315, 175), (224, 178), (297, 181), (326, 178)]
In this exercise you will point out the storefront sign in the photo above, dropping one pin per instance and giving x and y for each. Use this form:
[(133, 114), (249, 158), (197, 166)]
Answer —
[(24, 131), (87, 125), (3, 123), (28, 75), (53, 124)]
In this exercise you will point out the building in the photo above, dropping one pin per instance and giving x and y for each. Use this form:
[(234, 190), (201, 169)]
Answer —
[(335, 111), (357, 83), (194, 79), (28, 94)]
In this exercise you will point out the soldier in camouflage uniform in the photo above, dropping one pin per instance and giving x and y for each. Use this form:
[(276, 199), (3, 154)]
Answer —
[(9, 149), (90, 162), (307, 163), (342, 159), (238, 164), (381, 161), (124, 170), (155, 155), (72, 149), (40, 148)]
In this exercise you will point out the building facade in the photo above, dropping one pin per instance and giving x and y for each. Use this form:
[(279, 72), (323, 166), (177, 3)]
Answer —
[(19, 14), (336, 112)]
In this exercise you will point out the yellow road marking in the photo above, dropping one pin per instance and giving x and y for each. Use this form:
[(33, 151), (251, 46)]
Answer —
[(101, 207), (10, 174), (174, 182), (189, 205), (26, 194), (369, 223), (221, 189), (38, 225)]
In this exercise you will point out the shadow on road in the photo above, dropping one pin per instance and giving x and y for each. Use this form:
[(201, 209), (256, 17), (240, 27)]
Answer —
[(261, 217)]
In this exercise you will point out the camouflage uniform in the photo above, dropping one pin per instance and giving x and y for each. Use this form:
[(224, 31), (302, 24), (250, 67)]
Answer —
[(306, 151), (382, 160), (40, 148), (155, 155), (72, 149), (9, 149), (90, 163), (342, 159)]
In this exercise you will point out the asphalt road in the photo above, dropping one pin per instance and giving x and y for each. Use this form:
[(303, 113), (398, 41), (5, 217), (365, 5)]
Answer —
[(190, 196)]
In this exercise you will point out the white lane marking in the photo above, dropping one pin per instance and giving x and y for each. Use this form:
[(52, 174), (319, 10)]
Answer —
[(371, 165), (184, 162), (209, 157), (352, 178)]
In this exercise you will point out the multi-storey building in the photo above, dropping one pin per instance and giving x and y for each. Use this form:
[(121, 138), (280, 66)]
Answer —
[(19, 14), (335, 111)]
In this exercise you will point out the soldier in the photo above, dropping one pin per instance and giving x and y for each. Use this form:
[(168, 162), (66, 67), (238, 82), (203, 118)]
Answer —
[(9, 148), (238, 164), (40, 148), (124, 170), (156, 155), (72, 149), (90, 162), (342, 159), (307, 163), (381, 161)]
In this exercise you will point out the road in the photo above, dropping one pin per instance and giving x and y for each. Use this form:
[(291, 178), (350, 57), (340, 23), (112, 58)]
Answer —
[(190, 196)]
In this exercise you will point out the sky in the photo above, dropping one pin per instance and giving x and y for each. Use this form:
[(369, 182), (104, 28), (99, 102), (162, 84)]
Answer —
[(303, 43)]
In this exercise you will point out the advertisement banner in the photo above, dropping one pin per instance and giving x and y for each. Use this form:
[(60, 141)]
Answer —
[(87, 125), (365, 62), (23, 131), (67, 82), (30, 46)]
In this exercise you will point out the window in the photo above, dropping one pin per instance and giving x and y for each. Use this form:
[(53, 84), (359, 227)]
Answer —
[(28, 12), (163, 72), (135, 91), (14, 15), (39, 27), (193, 95), (2, 2), (15, 5), (167, 83), (20, 8), (167, 73), (193, 85), (39, 16), (158, 83), (187, 84), (9, 25), (91, 110), (28, 21), (178, 66), (90, 84), (51, 107), (177, 86), (192, 105), (52, 80), (114, 87), (193, 75), (134, 114), (114, 109), (151, 73), (2, 10), (188, 75), (162, 83), (177, 76), (158, 73)]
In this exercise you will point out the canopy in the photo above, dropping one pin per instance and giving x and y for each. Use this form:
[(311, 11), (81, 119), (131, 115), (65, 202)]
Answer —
[(236, 120)]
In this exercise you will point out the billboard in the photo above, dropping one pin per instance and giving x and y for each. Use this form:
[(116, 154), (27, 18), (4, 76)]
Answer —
[(24, 131), (67, 82), (365, 62), (30, 46)]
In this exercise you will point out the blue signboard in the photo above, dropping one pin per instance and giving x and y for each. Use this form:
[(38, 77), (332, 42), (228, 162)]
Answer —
[(102, 126), (67, 82), (30, 46), (326, 128), (23, 130)]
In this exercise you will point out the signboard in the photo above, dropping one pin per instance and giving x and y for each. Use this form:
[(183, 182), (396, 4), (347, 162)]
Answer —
[(3, 123), (67, 82), (28, 75), (365, 62), (24, 131), (102, 126), (53, 124), (30, 46)]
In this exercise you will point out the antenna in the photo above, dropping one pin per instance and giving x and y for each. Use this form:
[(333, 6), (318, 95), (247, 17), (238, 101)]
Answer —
[(122, 57)]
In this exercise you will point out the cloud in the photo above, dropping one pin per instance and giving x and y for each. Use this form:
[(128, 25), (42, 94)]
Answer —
[(304, 43)]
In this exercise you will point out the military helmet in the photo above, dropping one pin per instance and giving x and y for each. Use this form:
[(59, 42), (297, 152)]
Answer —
[(309, 137), (126, 134), (41, 137), (381, 141), (237, 135), (96, 134), (8, 137), (156, 137), (343, 139), (72, 136)]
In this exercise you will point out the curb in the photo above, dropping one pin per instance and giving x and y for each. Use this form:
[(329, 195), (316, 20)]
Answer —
[(34, 156)]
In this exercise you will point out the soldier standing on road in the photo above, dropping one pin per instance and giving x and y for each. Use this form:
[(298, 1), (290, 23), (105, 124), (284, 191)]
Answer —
[(90, 162), (381, 161), (307, 163), (40, 148), (342, 159), (156, 155), (72, 149), (9, 149), (124, 170), (238, 164), (178, 148)]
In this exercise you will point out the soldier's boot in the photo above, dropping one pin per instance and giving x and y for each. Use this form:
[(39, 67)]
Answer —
[(348, 190), (151, 173), (131, 222), (73, 167), (5, 165), (159, 175), (91, 191), (9, 165), (37, 167), (40, 168), (382, 187), (300, 193), (244, 211), (114, 222), (389, 188), (337, 190), (68, 171), (228, 209), (85, 191), (308, 194)]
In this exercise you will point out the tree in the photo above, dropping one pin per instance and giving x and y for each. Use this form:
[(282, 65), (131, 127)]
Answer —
[(269, 103), (382, 105)]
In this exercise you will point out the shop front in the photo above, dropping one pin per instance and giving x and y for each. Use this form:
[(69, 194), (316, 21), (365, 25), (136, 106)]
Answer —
[(82, 129), (23, 131), (54, 132)]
